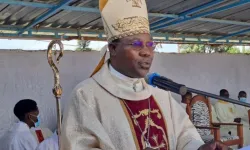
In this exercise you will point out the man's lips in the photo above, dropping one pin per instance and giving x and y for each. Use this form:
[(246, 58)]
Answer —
[(145, 65)]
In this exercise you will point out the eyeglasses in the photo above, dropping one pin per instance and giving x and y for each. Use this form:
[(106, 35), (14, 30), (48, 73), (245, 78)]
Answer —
[(139, 45)]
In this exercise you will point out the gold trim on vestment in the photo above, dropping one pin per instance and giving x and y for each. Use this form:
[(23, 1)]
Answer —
[(131, 125), (165, 122)]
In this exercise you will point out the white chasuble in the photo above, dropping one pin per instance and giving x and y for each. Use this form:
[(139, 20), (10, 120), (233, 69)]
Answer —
[(96, 117), (226, 114)]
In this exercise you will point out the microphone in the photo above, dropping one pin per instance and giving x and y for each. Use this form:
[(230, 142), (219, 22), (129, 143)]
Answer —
[(164, 83)]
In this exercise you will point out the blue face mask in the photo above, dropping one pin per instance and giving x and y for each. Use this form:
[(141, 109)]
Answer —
[(243, 99), (37, 124)]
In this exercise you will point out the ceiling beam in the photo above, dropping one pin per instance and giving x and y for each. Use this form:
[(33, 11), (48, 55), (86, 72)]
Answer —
[(69, 34), (230, 35), (230, 6), (15, 28), (46, 15), (96, 38), (95, 10), (188, 12)]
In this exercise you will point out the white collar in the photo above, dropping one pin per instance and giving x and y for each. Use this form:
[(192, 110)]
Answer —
[(121, 76), (134, 84), (121, 88)]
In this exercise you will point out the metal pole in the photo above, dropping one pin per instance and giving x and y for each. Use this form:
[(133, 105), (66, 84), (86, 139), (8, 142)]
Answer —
[(167, 84), (59, 120), (218, 97)]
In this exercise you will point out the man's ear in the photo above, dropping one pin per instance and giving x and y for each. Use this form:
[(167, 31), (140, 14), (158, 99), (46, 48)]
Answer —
[(112, 49), (27, 116)]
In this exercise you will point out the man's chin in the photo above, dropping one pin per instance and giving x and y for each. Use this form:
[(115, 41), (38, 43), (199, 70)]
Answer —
[(143, 73)]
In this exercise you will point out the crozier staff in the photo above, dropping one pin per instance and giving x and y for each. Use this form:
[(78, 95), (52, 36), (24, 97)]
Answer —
[(57, 89)]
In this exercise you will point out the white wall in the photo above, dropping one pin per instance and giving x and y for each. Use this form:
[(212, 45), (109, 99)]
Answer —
[(28, 75), (208, 72)]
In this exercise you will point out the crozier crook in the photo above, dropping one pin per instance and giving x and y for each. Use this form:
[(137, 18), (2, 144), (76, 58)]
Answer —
[(57, 89)]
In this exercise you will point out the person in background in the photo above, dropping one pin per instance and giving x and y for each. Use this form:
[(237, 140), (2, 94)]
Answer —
[(226, 113), (19, 137), (186, 99), (242, 114), (242, 96)]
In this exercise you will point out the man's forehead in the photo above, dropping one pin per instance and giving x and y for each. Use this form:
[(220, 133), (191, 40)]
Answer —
[(243, 94)]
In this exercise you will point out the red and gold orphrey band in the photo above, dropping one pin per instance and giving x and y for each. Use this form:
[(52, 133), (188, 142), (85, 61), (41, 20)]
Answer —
[(158, 138)]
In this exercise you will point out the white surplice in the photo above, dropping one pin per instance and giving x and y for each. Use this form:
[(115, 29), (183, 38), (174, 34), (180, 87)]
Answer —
[(94, 118), (242, 112), (50, 143), (18, 137)]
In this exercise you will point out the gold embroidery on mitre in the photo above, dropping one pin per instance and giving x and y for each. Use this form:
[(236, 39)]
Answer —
[(131, 24), (136, 3)]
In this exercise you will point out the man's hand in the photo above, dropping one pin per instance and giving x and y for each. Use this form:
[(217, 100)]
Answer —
[(214, 146), (237, 120)]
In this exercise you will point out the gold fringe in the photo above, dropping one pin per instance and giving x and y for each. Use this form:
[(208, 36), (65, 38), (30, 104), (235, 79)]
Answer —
[(131, 124)]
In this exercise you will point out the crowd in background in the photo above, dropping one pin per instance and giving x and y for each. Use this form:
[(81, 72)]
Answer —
[(28, 134), (225, 112)]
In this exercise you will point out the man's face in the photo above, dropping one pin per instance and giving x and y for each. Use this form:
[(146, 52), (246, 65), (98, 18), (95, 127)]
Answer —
[(33, 116), (243, 95), (133, 55), (226, 95), (187, 99)]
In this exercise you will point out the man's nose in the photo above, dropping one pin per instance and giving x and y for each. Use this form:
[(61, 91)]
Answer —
[(145, 52)]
